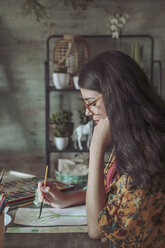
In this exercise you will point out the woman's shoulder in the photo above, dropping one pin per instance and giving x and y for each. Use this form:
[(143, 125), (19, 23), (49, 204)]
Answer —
[(123, 181), (124, 185)]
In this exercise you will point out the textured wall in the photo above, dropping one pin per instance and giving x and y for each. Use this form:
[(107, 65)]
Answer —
[(22, 55)]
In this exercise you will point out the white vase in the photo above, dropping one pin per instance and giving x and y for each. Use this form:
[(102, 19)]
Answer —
[(76, 84), (61, 80), (61, 142)]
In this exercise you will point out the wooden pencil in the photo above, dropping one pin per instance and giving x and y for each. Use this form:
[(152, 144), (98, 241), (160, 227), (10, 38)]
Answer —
[(1, 188), (3, 203), (46, 173), (2, 173), (21, 205), (2, 197), (25, 204)]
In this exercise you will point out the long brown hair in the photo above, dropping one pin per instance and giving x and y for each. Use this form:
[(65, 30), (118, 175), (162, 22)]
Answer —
[(135, 111)]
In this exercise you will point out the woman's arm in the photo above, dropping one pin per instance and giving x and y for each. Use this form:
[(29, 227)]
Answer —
[(58, 199), (96, 196)]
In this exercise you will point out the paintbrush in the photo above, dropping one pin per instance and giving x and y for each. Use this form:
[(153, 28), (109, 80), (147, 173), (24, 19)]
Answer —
[(46, 173)]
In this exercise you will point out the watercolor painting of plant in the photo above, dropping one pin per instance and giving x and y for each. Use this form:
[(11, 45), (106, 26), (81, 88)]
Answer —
[(51, 216)]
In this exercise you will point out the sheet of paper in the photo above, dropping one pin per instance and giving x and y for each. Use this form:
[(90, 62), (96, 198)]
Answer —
[(51, 216), (52, 229)]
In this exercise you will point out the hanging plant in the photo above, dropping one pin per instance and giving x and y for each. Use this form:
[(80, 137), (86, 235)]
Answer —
[(39, 10), (33, 7), (79, 5)]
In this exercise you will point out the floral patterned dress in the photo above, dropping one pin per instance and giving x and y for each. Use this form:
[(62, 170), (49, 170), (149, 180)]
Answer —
[(133, 218)]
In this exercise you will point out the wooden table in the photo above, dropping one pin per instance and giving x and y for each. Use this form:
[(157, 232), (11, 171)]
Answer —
[(48, 240)]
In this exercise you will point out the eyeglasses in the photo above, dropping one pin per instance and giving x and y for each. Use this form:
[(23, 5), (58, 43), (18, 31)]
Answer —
[(88, 106)]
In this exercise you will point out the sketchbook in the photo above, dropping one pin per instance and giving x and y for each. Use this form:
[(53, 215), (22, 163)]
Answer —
[(51, 216)]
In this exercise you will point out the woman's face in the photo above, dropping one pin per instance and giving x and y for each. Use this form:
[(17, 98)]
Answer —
[(93, 101)]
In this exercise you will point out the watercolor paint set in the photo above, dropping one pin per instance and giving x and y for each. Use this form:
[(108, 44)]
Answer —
[(24, 189)]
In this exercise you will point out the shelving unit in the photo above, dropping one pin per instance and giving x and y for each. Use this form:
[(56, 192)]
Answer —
[(97, 44)]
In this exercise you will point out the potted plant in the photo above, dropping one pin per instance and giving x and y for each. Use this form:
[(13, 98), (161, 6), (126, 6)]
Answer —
[(60, 77), (61, 127), (83, 118)]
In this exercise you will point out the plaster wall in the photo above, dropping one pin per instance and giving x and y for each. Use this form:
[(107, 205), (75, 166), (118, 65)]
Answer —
[(22, 56)]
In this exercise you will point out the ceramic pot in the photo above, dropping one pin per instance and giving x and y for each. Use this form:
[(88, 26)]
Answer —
[(61, 142), (61, 80), (76, 84)]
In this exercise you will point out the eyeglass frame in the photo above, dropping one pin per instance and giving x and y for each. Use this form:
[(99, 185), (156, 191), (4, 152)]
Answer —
[(87, 106)]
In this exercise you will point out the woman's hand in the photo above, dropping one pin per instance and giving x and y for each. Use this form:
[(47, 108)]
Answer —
[(101, 138), (52, 196), (58, 199)]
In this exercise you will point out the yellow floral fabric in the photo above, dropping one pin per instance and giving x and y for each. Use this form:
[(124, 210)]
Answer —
[(134, 217)]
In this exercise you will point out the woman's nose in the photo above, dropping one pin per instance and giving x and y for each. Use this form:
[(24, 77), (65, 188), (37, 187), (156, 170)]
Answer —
[(88, 112)]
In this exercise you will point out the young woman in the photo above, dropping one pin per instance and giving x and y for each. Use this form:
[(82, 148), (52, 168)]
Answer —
[(125, 199)]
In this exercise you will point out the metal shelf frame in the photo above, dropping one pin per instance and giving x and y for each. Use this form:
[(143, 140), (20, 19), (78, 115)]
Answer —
[(48, 89)]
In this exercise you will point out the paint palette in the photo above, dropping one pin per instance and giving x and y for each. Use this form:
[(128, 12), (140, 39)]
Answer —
[(24, 189)]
